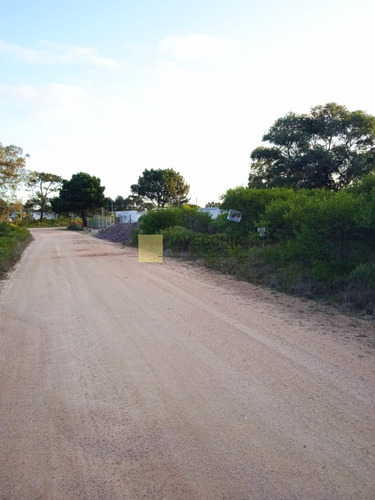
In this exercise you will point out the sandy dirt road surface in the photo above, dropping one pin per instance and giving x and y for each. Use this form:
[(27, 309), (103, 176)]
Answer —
[(127, 380)]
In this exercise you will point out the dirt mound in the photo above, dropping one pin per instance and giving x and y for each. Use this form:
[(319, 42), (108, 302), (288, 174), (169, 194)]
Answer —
[(120, 233)]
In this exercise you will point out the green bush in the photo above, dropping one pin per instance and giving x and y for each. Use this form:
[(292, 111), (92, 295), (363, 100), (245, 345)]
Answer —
[(12, 231), (134, 236), (6, 229), (239, 253), (364, 274), (154, 221), (188, 217), (195, 220), (75, 227), (13, 240), (275, 220), (252, 203), (360, 292), (317, 241), (58, 222), (178, 238)]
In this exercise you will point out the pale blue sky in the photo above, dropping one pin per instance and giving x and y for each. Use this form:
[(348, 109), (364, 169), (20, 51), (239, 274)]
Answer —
[(114, 87)]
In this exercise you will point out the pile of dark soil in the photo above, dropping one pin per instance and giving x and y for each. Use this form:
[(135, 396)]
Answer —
[(119, 233)]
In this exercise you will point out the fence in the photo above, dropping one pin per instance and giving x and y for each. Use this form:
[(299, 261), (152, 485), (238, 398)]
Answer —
[(128, 216), (100, 222)]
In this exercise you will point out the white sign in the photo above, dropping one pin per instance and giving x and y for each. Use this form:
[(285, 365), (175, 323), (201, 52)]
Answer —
[(234, 216)]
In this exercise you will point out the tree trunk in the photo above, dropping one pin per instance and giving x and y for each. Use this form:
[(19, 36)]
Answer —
[(84, 218), (41, 213)]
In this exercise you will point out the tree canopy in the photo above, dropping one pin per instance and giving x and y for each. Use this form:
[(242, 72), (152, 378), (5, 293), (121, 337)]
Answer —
[(43, 185), (162, 187), (329, 148), (131, 202), (82, 193), (12, 165)]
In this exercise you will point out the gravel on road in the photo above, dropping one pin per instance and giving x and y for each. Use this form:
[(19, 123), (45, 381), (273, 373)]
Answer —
[(127, 380)]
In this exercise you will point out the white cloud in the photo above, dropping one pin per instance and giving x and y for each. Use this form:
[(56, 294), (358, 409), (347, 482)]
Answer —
[(197, 46), (22, 92), (51, 53), (21, 53), (47, 103)]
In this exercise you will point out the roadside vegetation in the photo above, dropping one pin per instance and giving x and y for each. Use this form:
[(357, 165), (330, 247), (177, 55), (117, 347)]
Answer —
[(57, 222), (13, 241), (314, 243)]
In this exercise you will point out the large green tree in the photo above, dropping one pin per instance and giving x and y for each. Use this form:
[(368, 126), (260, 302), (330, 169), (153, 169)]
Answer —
[(43, 185), (82, 193), (162, 187), (12, 166), (329, 148)]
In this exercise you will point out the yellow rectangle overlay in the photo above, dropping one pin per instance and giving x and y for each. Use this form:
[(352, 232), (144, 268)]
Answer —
[(150, 248)]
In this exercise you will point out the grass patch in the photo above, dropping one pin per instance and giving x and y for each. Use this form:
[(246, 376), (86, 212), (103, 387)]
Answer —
[(13, 241), (59, 222)]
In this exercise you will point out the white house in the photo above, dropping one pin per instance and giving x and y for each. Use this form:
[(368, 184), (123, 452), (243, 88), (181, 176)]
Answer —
[(127, 216), (212, 211)]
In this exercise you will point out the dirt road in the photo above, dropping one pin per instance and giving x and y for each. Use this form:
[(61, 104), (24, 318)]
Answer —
[(127, 380)]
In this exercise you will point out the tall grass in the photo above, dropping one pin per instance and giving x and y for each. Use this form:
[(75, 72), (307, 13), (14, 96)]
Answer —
[(13, 241)]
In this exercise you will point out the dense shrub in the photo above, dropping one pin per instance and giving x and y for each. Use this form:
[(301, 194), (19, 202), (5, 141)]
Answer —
[(178, 238), (364, 274), (360, 292), (252, 203), (11, 231), (134, 236), (188, 217), (13, 240), (58, 222), (318, 242), (195, 220), (75, 227)]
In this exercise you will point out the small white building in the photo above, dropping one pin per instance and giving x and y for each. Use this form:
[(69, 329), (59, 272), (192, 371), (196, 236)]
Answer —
[(127, 216), (212, 211)]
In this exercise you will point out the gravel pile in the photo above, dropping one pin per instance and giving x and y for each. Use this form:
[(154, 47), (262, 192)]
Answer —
[(120, 233)]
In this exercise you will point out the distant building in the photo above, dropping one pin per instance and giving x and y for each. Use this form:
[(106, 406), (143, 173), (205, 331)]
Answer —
[(133, 215), (212, 211), (127, 216)]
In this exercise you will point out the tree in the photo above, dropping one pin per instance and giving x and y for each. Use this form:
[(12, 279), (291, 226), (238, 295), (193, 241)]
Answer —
[(162, 187), (131, 202), (7, 207), (82, 193), (46, 184), (329, 148), (4, 210), (135, 202), (12, 165), (119, 203)]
